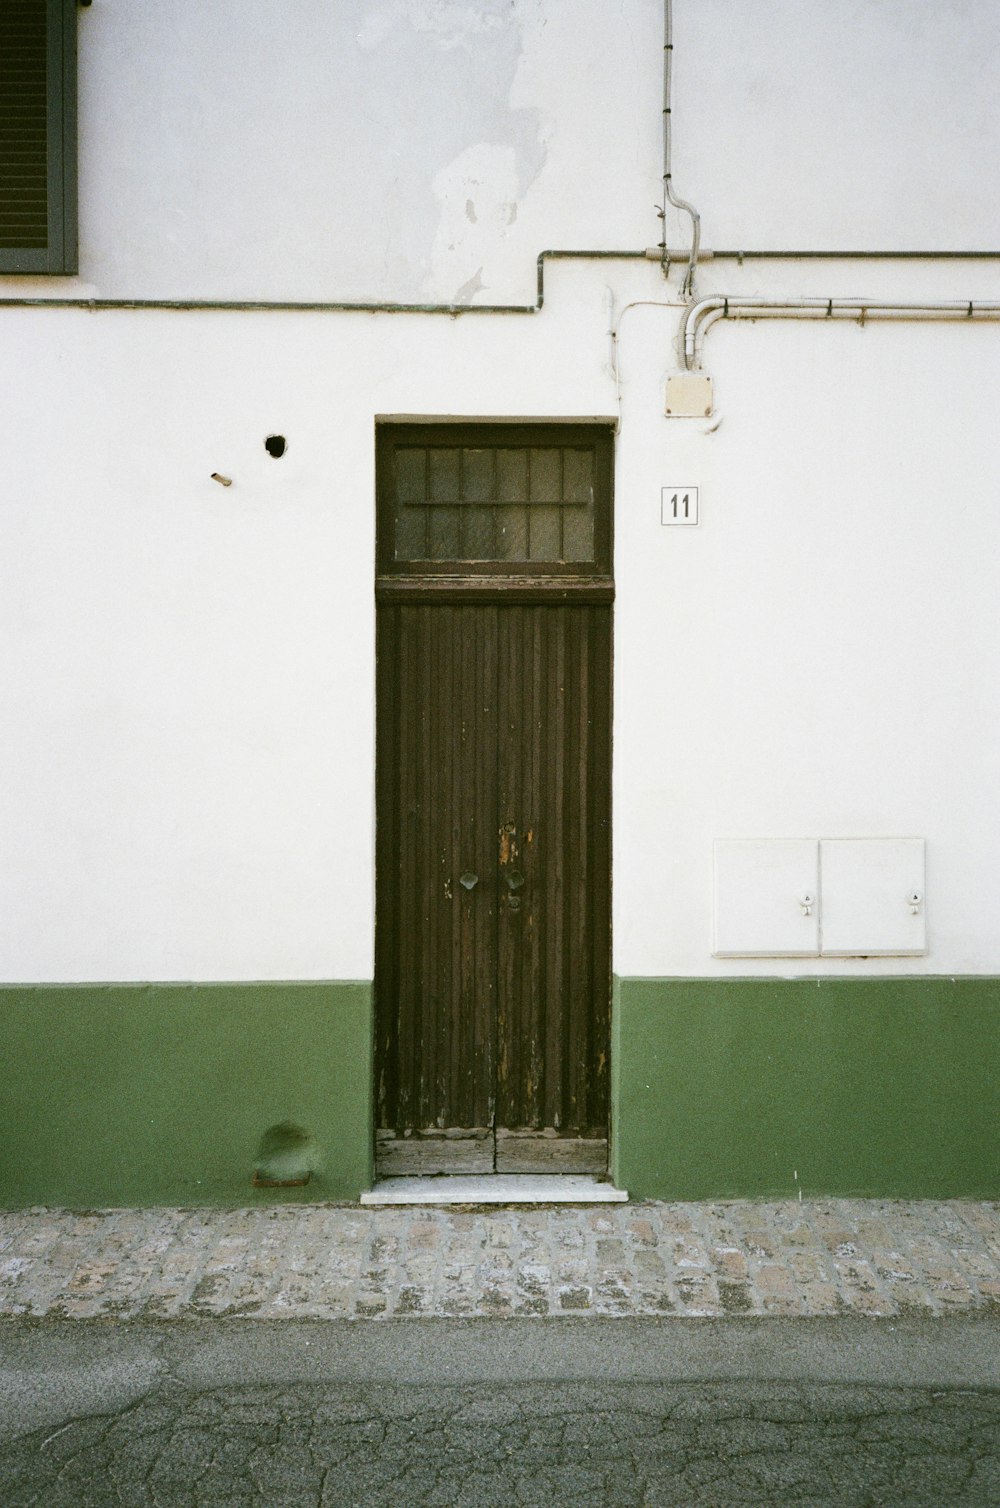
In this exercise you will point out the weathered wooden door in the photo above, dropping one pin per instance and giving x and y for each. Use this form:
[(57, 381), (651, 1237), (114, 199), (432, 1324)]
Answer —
[(493, 863)]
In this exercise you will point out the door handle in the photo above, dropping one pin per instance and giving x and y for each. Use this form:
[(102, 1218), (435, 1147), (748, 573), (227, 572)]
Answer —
[(513, 879), (468, 880)]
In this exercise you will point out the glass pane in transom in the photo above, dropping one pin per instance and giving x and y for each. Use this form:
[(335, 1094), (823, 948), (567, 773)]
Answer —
[(480, 504)]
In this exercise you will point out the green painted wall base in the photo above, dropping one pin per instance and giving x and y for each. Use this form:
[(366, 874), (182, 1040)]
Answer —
[(729, 1088), (117, 1095)]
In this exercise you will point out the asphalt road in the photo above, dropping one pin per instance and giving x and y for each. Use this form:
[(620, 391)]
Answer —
[(560, 1412)]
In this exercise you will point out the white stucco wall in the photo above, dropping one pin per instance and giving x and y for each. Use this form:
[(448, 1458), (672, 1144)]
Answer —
[(820, 657), (429, 149), (186, 755), (864, 124), (186, 672)]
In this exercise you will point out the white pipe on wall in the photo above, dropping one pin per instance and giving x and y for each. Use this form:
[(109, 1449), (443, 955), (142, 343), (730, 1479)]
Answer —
[(669, 196), (699, 318)]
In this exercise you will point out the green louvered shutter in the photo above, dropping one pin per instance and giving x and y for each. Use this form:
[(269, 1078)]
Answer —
[(38, 136)]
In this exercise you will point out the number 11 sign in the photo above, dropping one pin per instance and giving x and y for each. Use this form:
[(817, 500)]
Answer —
[(678, 505)]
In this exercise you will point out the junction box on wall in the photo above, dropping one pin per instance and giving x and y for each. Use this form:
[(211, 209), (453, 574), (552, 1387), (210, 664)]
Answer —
[(689, 396)]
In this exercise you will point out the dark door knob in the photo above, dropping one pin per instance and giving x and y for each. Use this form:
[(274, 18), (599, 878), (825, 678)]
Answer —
[(513, 879)]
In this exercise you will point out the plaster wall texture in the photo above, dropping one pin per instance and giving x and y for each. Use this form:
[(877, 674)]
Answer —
[(374, 149), (428, 149), (187, 761), (186, 783), (858, 125), (819, 657)]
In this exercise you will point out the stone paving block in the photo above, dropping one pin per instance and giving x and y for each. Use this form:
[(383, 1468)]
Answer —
[(495, 1300), (809, 1266), (689, 1253), (698, 1295), (735, 1298), (777, 1290), (981, 1218), (649, 1264), (759, 1245), (35, 1235), (907, 1297), (575, 1298), (533, 1277), (729, 1263), (370, 1305), (501, 1233), (570, 1237), (869, 1301), (610, 1252), (821, 1298), (175, 1274), (642, 1232), (458, 1306), (572, 1272)]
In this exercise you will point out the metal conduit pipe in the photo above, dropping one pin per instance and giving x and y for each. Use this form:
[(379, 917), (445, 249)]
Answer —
[(314, 306), (700, 317), (776, 255), (669, 197)]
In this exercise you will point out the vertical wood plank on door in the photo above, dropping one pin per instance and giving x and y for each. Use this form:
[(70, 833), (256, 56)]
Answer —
[(436, 959), (554, 964)]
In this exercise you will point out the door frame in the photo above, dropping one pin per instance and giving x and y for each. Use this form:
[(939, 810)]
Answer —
[(454, 582)]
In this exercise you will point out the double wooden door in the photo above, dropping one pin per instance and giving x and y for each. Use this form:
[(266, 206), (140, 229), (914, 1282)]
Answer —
[(492, 948), (493, 967)]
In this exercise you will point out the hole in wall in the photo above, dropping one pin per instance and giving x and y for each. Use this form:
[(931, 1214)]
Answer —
[(275, 446), (287, 1156)]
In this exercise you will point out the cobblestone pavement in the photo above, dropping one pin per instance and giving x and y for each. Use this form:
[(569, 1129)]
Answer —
[(862, 1257)]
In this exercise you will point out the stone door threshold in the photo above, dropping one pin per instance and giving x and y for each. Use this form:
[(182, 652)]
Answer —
[(496, 1188)]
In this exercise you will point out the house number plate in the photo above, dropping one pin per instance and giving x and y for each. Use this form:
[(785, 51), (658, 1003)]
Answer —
[(678, 505)]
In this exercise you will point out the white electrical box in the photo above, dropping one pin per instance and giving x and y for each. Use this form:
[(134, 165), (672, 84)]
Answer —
[(689, 396), (873, 896), (766, 898)]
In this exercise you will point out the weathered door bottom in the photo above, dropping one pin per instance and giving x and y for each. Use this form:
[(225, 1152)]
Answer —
[(481, 1150)]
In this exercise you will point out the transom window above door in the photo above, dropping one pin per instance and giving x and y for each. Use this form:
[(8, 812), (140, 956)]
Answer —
[(491, 498)]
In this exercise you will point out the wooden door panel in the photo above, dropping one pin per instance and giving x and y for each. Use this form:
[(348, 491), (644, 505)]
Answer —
[(436, 962), (493, 1001), (553, 953)]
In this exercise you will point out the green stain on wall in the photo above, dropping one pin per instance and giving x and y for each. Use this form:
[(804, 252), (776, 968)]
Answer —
[(117, 1095), (878, 1087)]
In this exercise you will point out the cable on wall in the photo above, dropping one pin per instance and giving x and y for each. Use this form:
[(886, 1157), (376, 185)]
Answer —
[(669, 197)]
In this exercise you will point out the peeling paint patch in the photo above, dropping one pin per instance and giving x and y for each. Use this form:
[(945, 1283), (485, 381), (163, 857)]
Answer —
[(470, 288), (477, 192), (467, 154), (464, 154)]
